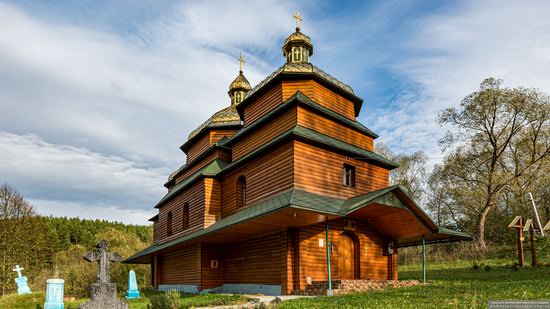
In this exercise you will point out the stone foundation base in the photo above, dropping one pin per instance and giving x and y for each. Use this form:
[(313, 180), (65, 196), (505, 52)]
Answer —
[(349, 286), (103, 295)]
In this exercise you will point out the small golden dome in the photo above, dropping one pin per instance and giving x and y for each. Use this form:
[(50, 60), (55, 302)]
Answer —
[(297, 38), (240, 83)]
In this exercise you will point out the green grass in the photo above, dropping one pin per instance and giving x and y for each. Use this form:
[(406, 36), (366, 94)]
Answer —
[(450, 285), (36, 300)]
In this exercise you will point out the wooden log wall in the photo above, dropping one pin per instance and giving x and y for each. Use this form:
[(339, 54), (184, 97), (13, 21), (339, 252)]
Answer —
[(212, 201), (321, 124), (198, 147), (217, 134), (207, 140), (321, 95), (264, 134), (212, 277), (195, 196), (181, 267), (284, 90), (320, 171), (255, 261), (263, 105), (266, 175), (373, 265), (218, 154)]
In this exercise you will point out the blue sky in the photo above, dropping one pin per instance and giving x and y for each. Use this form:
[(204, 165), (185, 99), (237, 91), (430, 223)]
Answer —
[(97, 96)]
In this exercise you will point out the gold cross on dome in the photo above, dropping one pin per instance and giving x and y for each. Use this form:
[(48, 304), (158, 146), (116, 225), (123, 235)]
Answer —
[(298, 19), (241, 61)]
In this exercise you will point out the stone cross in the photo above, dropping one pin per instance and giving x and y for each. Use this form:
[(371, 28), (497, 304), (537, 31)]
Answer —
[(18, 270), (298, 19), (103, 257)]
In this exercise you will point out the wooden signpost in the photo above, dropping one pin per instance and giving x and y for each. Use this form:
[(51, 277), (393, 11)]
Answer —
[(517, 223)]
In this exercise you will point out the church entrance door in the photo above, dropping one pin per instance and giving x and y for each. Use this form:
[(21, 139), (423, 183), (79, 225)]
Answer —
[(346, 254)]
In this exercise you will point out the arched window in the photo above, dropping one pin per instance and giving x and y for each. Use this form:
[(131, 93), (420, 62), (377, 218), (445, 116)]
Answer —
[(185, 219), (169, 224), (241, 191)]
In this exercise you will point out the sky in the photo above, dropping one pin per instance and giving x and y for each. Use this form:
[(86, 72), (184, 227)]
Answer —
[(96, 96)]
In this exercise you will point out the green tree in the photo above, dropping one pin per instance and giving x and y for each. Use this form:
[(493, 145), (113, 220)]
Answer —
[(412, 171), (498, 136)]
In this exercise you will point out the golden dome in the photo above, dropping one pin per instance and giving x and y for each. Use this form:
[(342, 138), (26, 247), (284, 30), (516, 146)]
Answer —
[(225, 117), (240, 83), (297, 38)]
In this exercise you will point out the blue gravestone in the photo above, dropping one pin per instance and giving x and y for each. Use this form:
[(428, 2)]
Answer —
[(22, 286), (54, 294), (132, 286)]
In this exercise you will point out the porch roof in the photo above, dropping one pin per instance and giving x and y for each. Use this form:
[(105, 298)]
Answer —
[(389, 210)]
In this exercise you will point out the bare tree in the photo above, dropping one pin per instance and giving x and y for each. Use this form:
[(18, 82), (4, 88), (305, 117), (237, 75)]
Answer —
[(499, 135)]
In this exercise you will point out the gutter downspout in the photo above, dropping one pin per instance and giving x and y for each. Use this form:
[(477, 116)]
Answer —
[(330, 292)]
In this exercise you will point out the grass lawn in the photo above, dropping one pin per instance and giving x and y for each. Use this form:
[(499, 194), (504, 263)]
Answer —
[(455, 285), (450, 285), (36, 300)]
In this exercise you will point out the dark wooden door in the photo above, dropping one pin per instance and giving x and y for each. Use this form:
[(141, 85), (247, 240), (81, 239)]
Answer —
[(347, 257)]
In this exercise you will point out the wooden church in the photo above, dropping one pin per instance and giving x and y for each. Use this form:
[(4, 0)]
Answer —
[(282, 189)]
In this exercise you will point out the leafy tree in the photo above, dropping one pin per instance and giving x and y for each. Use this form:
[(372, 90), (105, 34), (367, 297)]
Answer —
[(499, 138), (411, 173)]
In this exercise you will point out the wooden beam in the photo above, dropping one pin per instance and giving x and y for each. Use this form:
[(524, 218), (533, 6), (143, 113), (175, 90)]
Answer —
[(528, 225), (514, 222)]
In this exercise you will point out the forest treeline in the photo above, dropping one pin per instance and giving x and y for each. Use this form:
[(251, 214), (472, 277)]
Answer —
[(49, 247)]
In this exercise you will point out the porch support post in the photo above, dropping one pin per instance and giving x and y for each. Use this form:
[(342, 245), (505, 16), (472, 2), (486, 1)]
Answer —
[(327, 246), (423, 259)]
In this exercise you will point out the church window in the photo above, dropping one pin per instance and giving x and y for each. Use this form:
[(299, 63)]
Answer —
[(349, 175), (296, 51), (185, 219), (305, 55), (169, 224), (241, 191)]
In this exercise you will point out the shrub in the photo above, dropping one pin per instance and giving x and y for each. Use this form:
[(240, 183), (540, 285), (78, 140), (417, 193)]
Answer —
[(162, 301)]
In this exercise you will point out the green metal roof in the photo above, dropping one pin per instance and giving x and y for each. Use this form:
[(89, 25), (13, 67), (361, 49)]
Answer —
[(336, 143), (211, 169), (300, 98), (296, 199), (219, 166)]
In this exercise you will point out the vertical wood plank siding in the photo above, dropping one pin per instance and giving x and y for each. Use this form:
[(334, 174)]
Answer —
[(320, 171), (319, 123), (182, 267), (266, 175), (264, 134), (255, 261), (195, 196)]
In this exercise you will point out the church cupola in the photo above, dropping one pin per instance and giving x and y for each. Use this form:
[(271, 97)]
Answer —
[(297, 47), (240, 86)]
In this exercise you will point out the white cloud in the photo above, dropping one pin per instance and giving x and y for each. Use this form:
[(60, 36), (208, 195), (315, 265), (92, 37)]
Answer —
[(452, 52), (91, 121), (63, 173)]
